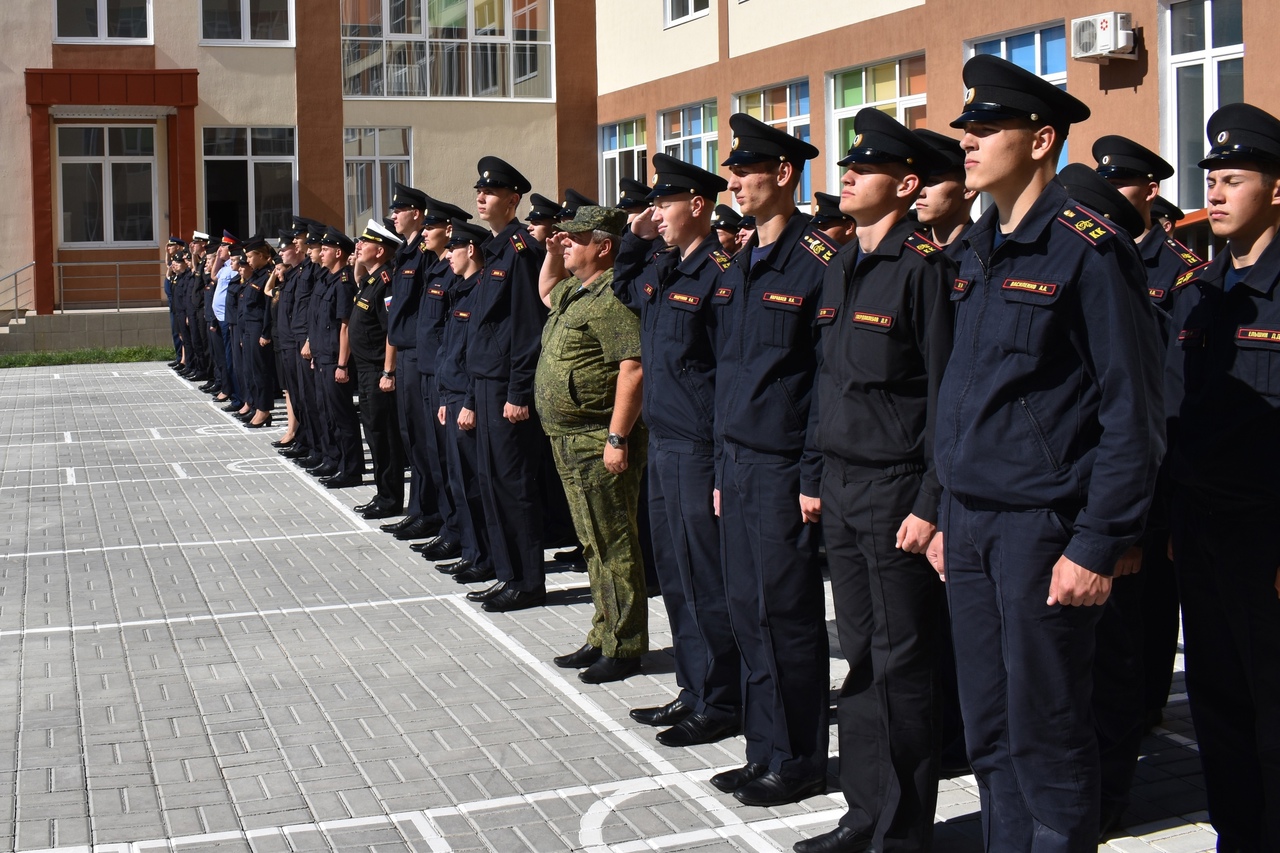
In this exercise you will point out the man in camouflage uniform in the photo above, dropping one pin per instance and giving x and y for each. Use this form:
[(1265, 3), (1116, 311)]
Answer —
[(587, 391)]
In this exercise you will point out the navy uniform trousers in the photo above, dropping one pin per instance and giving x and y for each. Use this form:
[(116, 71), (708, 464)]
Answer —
[(381, 431), (508, 460), (342, 421), (1037, 726), (777, 612), (235, 362), (309, 417), (685, 535), (419, 433), (218, 355), (464, 484)]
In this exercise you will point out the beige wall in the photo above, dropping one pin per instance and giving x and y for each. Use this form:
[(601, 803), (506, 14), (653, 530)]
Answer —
[(760, 24), (450, 136), (632, 47)]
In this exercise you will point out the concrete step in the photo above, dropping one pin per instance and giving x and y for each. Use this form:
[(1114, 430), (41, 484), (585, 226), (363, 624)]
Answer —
[(81, 329)]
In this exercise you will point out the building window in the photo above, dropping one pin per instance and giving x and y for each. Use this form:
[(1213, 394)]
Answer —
[(896, 88), (247, 21), (690, 134), (376, 157), (785, 107), (1041, 51), (103, 20), (679, 11), (447, 49), (624, 155), (1206, 71), (250, 175), (107, 184)]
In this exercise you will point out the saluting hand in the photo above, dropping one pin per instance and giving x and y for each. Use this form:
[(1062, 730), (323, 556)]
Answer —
[(643, 225), (1073, 585)]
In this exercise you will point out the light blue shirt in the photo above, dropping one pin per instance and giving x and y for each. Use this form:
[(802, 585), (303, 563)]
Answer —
[(220, 292)]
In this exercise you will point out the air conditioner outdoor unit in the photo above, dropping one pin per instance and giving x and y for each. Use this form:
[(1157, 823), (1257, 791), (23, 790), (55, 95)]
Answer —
[(1098, 38)]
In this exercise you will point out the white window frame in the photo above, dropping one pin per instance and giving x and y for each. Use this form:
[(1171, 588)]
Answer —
[(609, 188), (511, 8), (244, 24), (250, 159), (376, 161), (674, 146), (837, 114), (1209, 58), (106, 160), (102, 28), (804, 196), (670, 19)]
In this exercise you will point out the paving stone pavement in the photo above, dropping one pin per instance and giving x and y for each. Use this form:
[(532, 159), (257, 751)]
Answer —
[(202, 650)]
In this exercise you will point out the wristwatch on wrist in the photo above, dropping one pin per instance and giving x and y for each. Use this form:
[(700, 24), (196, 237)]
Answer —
[(342, 367), (617, 441), (390, 374)]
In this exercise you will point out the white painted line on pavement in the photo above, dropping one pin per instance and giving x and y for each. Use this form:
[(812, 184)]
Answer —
[(327, 494), (200, 543), (71, 478), (181, 472)]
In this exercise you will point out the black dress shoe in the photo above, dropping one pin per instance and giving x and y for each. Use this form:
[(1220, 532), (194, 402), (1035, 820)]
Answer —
[(311, 460), (325, 469), (583, 657), (487, 593), (442, 549), (173, 364), (342, 481), (375, 501), (206, 387), (731, 780), (294, 452), (281, 444), (663, 715), (420, 529), (264, 425), (396, 526), (231, 408), (475, 574), (609, 669), (774, 789), (454, 568), (842, 839), (515, 599), (699, 728), (383, 511)]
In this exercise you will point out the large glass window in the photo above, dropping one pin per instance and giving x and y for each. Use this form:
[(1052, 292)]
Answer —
[(447, 49), (103, 20), (1206, 71), (785, 107), (376, 157), (106, 177), (896, 87), (690, 134), (1041, 51), (679, 11), (623, 155), (250, 178)]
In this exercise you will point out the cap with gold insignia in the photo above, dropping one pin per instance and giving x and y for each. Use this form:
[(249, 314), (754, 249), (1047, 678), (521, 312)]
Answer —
[(883, 139), (403, 196), (464, 233), (673, 177), (756, 142), (947, 153), (284, 237), (1242, 132), (256, 243), (1162, 208), (228, 239), (591, 217), (574, 200), (1119, 157), (543, 210), (441, 212), (375, 232), (998, 89), (725, 218), (827, 210), (176, 241), (632, 195), (333, 237), (315, 231), (496, 172), (199, 237), (1096, 193)]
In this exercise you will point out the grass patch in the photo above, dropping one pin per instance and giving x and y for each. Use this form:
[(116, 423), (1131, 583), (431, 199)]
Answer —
[(112, 355)]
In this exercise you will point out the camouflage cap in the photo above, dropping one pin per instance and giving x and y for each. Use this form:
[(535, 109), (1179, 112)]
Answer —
[(590, 217)]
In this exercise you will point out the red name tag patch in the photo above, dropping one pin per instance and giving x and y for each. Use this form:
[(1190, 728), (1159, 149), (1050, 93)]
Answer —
[(784, 299), (685, 298), (1041, 287), (867, 318), (1271, 336)]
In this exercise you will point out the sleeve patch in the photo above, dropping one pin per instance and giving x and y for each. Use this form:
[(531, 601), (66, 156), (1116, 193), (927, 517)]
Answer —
[(649, 289), (518, 243), (1271, 336), (1156, 293), (462, 315), (1042, 287), (722, 260), (724, 292), (1093, 229), (922, 245), (685, 298), (826, 313), (783, 299), (819, 247), (961, 285), (867, 318)]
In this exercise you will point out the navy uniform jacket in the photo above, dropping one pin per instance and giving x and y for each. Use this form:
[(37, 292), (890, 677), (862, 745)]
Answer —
[(182, 285), (304, 284), (406, 287), (433, 311), (286, 337), (673, 298), (1052, 397), (506, 322), (1167, 263), (767, 358), (331, 302), (885, 343), (1223, 391), (955, 250), (367, 328), (254, 301), (453, 382), (235, 288)]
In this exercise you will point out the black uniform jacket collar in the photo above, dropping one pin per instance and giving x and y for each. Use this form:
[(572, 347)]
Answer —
[(701, 252), (890, 247), (1043, 212), (777, 257), (1152, 243), (1262, 276), (493, 247)]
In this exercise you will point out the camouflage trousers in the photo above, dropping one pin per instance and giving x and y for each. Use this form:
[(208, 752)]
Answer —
[(603, 507)]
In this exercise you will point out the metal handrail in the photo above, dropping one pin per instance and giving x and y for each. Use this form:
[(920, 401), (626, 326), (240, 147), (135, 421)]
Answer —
[(14, 275), (154, 272)]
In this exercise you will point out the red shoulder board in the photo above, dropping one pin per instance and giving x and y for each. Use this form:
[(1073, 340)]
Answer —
[(386, 278), (518, 243), (821, 249), (922, 245), (1190, 258), (722, 260), (1189, 276), (344, 277), (1093, 229)]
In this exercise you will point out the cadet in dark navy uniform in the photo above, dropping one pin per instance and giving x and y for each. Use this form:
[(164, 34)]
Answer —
[(1225, 466), (572, 201), (502, 356), (310, 280), (724, 223), (666, 271), (831, 220), (543, 213), (944, 203), (1047, 453), (886, 337), (770, 470), (255, 332), (1137, 172), (633, 196), (1166, 214)]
